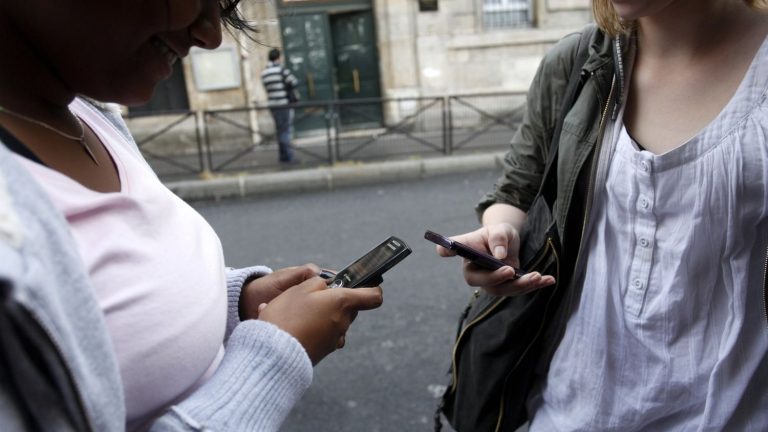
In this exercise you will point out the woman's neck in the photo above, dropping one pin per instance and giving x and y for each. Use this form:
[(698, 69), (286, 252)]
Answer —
[(691, 58), (29, 84), (686, 29)]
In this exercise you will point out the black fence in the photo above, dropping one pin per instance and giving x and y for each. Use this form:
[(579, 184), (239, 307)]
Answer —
[(187, 143)]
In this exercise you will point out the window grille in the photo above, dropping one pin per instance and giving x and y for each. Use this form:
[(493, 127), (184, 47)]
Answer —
[(499, 14)]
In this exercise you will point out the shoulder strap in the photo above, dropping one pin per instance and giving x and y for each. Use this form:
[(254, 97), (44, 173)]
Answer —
[(575, 82), (284, 74)]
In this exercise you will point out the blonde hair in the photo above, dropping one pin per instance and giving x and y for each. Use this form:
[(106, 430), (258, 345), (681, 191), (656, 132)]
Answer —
[(608, 21)]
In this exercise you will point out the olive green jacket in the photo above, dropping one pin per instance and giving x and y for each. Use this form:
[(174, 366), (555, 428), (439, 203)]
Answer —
[(581, 135)]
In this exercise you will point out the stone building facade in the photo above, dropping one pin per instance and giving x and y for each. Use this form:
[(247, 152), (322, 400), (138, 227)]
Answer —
[(348, 49), (451, 50)]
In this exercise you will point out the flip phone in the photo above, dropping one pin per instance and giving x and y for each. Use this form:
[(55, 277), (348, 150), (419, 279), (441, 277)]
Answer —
[(369, 269)]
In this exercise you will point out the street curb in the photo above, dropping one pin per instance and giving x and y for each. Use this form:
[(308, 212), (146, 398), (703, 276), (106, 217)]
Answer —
[(329, 178)]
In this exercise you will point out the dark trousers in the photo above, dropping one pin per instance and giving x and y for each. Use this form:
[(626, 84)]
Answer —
[(284, 129)]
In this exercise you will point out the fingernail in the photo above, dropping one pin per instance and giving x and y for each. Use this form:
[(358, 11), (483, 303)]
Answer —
[(500, 252)]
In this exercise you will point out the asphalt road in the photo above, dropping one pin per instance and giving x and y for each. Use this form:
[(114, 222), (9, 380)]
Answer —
[(396, 359)]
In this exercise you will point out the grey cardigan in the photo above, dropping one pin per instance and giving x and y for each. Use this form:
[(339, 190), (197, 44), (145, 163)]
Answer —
[(57, 367)]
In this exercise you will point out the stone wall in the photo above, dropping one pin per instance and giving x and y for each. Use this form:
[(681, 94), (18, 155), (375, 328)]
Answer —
[(421, 54), (447, 52)]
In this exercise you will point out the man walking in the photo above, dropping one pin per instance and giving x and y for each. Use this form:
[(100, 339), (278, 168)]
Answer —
[(280, 85)]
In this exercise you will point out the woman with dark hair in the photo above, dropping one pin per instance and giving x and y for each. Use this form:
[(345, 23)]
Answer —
[(661, 219), (116, 309)]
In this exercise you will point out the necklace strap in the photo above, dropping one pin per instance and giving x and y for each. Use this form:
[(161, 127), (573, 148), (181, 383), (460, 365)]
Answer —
[(80, 139), (46, 125)]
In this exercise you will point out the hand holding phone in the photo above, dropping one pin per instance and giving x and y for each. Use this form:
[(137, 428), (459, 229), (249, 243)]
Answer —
[(368, 270), (317, 316), (477, 257)]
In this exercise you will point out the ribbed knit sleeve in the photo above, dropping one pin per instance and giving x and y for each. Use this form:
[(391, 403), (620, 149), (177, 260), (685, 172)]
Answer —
[(235, 280), (263, 374)]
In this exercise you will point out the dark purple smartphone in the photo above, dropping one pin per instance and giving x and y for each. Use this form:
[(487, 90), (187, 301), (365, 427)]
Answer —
[(477, 257)]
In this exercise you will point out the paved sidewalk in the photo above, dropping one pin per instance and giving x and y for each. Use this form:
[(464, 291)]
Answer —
[(332, 177)]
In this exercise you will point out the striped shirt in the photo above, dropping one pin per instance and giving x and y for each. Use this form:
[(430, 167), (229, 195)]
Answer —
[(275, 77)]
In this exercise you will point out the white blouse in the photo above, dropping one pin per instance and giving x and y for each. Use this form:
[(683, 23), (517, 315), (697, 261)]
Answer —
[(670, 332)]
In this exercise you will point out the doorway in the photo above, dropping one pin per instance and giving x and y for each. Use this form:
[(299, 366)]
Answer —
[(356, 67), (335, 58)]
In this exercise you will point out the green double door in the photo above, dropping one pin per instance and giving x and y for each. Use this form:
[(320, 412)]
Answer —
[(334, 56)]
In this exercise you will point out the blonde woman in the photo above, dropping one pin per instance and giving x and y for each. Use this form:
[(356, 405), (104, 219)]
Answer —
[(662, 211)]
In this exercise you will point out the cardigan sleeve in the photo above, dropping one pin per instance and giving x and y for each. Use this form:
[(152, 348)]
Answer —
[(236, 279), (265, 371)]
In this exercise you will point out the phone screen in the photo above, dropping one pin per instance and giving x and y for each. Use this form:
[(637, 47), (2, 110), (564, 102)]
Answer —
[(369, 268)]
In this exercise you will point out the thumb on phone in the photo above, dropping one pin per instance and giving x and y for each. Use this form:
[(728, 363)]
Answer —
[(363, 298), (498, 240)]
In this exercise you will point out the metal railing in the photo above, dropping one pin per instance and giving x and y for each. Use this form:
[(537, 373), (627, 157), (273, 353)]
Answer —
[(244, 138), (327, 132), (471, 118)]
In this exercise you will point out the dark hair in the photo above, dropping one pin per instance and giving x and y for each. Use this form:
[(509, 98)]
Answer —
[(274, 54), (232, 18)]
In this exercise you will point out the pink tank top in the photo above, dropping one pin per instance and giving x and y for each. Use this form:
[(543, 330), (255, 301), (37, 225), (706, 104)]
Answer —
[(157, 271)]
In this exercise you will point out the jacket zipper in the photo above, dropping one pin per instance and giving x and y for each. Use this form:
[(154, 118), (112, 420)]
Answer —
[(454, 374), (593, 171), (490, 309), (535, 338), (65, 365)]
